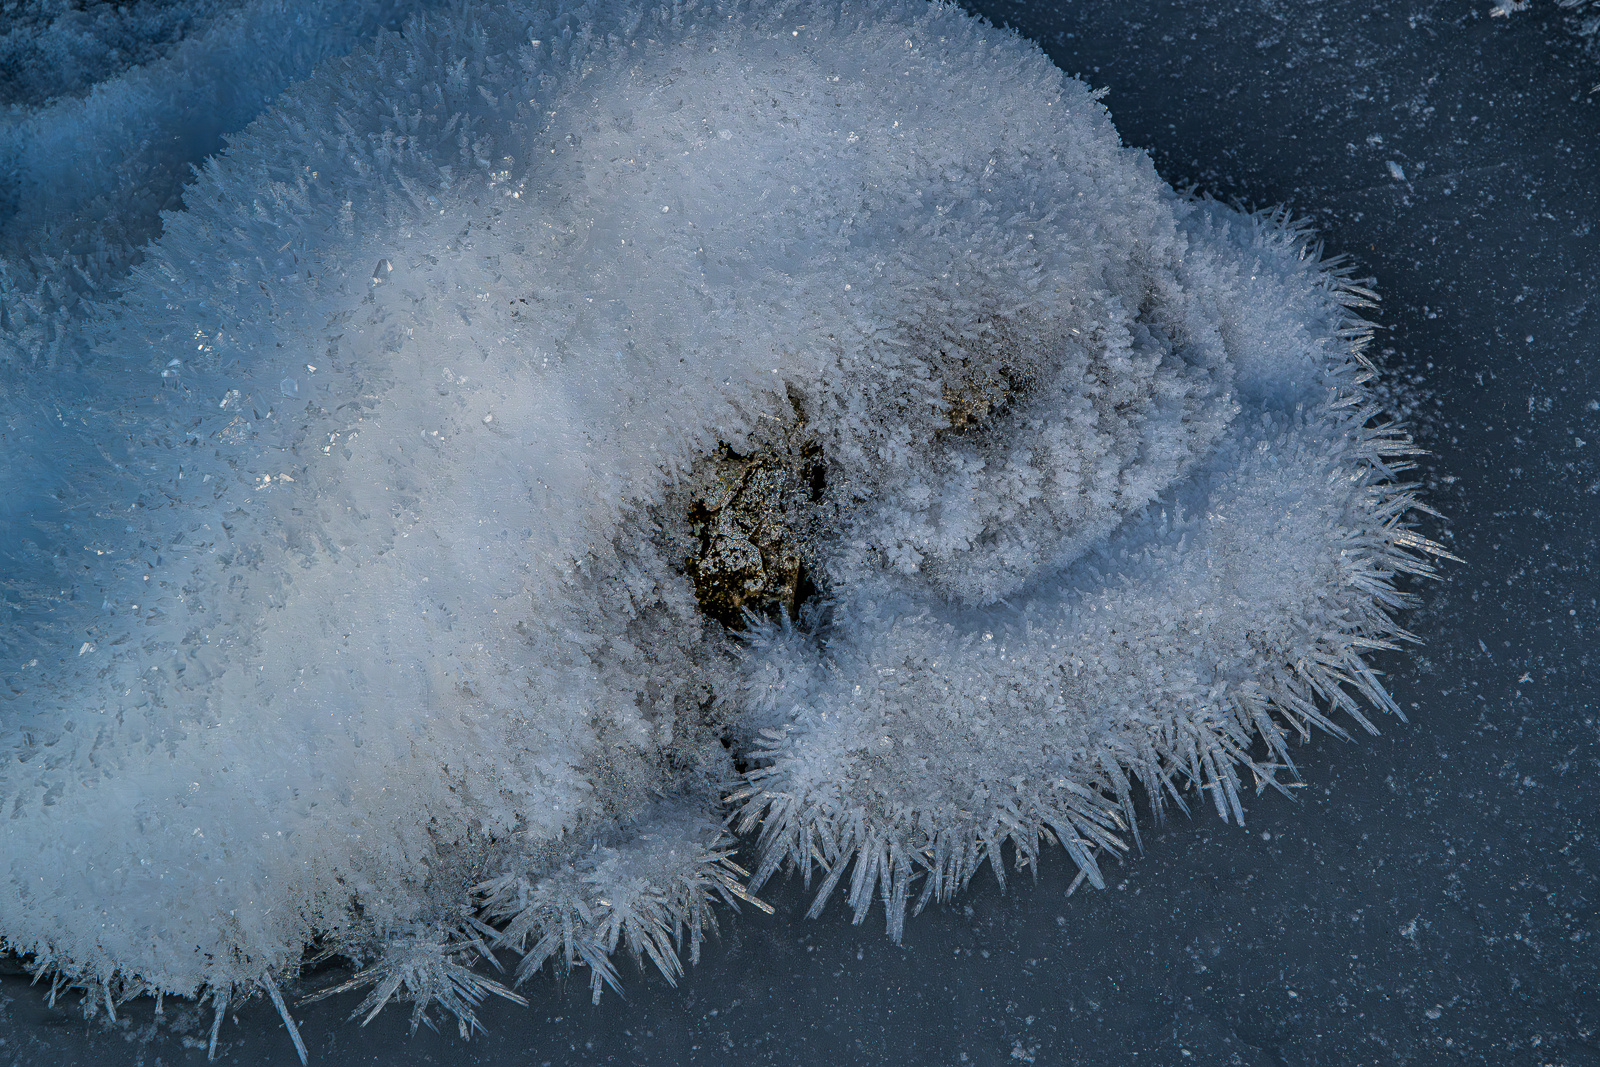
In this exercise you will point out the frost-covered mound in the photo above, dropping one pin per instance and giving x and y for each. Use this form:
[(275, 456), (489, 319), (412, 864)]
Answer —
[(532, 419)]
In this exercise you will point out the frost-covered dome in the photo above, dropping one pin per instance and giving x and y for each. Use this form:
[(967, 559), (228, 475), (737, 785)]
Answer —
[(533, 419)]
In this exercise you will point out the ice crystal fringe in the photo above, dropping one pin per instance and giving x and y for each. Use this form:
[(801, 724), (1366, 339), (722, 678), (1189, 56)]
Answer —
[(426, 970), (647, 897), (347, 574)]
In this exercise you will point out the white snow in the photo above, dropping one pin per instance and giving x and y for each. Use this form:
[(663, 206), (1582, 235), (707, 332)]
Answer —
[(339, 607)]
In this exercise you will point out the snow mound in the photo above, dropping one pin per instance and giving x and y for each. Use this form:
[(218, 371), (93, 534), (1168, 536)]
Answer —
[(358, 575)]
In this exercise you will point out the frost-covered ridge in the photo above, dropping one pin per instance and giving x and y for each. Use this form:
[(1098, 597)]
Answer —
[(358, 585)]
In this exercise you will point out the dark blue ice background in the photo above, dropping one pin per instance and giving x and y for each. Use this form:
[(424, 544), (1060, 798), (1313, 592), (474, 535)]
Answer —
[(1430, 896)]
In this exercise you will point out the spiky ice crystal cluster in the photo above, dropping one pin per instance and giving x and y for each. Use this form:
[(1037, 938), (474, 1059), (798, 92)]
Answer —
[(358, 541)]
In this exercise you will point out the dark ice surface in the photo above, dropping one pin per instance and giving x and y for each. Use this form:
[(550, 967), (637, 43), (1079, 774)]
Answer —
[(1429, 896)]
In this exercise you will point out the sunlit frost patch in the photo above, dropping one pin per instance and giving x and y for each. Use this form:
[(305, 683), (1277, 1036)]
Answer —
[(391, 545)]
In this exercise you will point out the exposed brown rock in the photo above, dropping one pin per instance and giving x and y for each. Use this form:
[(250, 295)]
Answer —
[(745, 523), (751, 516)]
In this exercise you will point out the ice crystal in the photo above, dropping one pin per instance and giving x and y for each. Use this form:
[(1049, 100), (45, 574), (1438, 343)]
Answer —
[(1589, 16), (547, 434), (426, 970), (646, 896)]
